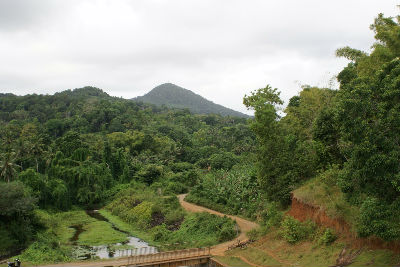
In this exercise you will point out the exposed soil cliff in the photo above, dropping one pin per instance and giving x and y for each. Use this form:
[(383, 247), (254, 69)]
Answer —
[(303, 211)]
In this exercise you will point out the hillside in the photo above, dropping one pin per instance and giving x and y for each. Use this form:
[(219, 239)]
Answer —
[(82, 149), (172, 95)]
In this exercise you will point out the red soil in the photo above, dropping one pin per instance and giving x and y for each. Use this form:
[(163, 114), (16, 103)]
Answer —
[(303, 211)]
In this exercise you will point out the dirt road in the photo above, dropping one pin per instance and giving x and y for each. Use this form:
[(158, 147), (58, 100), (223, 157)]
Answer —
[(243, 224)]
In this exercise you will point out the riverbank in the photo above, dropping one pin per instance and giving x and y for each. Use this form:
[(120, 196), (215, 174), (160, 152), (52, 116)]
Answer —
[(78, 235), (129, 228)]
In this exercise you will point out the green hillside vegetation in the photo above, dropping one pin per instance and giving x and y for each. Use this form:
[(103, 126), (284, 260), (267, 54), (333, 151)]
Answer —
[(171, 95), (82, 149), (351, 132), (333, 149)]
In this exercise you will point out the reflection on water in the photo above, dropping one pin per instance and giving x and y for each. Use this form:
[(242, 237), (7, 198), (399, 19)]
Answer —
[(139, 248), (132, 246)]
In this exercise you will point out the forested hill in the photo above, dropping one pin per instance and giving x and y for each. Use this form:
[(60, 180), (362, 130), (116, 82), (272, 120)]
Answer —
[(172, 95), (79, 148)]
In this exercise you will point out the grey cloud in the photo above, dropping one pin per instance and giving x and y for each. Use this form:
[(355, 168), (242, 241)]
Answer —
[(221, 49), (18, 15)]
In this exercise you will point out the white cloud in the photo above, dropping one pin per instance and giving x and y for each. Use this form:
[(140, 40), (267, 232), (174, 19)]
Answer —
[(219, 49)]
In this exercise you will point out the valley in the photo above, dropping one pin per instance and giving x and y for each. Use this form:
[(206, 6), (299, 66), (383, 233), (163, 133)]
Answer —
[(88, 178)]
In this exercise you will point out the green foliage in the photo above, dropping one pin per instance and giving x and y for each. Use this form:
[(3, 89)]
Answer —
[(225, 160), (271, 216), (327, 237), (140, 207), (140, 214), (235, 191), (165, 220), (108, 235), (149, 174), (17, 219), (44, 250), (174, 217), (323, 192), (294, 231), (203, 229), (287, 153), (367, 114), (85, 148), (380, 219)]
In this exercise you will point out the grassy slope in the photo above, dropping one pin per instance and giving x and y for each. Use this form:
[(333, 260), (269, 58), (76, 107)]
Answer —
[(305, 253), (321, 192), (232, 261)]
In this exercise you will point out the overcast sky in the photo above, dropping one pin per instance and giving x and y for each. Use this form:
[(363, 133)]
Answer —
[(220, 49)]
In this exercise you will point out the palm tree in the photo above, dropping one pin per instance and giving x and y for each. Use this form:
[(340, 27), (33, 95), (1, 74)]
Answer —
[(8, 167)]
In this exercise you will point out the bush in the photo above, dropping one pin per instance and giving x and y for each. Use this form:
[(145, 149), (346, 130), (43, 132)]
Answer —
[(160, 233), (272, 216), (253, 234), (141, 214), (294, 231), (223, 160), (176, 188), (226, 233), (45, 249), (173, 217), (380, 219), (327, 237), (149, 174), (204, 229), (181, 166), (234, 192)]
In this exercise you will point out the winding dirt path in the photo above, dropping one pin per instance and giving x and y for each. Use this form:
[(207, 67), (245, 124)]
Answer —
[(244, 225)]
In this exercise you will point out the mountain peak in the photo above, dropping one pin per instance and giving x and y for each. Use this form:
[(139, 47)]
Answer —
[(175, 96)]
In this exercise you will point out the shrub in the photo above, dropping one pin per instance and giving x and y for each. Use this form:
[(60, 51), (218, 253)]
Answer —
[(149, 174), (223, 160), (176, 187), (226, 233), (272, 216), (173, 217), (160, 233), (44, 250), (141, 214), (327, 237), (253, 234), (380, 219), (294, 231)]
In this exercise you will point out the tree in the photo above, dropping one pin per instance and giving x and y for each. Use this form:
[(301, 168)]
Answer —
[(368, 117), (273, 173), (16, 212), (8, 167)]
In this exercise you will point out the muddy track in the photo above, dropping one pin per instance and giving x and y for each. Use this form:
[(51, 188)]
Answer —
[(244, 225)]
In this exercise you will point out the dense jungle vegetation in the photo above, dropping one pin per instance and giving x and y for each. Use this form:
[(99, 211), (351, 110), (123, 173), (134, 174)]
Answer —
[(337, 149), (83, 149), (351, 133)]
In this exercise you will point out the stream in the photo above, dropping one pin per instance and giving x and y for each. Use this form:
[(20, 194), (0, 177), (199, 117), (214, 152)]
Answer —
[(132, 246)]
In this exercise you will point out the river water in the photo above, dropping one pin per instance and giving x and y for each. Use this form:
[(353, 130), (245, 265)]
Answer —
[(132, 246)]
